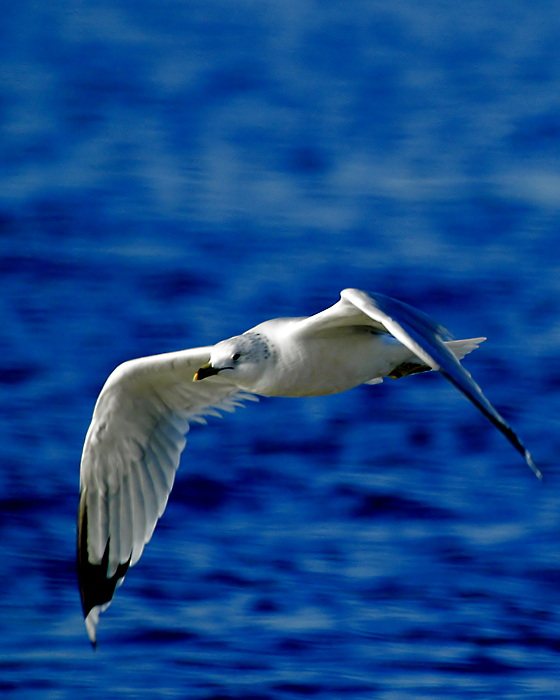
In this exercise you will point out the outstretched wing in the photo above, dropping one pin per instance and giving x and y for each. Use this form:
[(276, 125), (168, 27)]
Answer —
[(131, 453), (421, 335), (424, 337)]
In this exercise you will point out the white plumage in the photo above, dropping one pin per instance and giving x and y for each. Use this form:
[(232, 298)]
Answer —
[(134, 443)]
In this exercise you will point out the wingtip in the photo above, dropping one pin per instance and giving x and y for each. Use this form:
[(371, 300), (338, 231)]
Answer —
[(533, 467), (91, 626)]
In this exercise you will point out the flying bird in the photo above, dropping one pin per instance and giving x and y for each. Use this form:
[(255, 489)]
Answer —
[(133, 446)]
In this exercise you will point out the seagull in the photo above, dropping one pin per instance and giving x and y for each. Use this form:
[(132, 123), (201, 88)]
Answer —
[(137, 434)]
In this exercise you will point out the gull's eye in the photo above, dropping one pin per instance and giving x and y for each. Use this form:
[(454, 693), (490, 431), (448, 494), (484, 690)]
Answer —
[(236, 356)]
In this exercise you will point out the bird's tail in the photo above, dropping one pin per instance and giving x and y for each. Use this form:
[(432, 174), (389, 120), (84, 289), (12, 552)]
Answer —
[(460, 348)]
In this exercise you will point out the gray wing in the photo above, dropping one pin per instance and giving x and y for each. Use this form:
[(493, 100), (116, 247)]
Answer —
[(131, 453), (424, 337), (420, 334)]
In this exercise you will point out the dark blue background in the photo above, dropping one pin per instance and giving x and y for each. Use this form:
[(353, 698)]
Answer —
[(173, 173)]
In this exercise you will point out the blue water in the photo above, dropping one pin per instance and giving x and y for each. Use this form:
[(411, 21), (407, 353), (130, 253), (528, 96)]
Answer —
[(173, 173)]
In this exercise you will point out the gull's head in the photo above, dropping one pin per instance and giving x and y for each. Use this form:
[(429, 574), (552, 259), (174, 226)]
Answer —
[(242, 359)]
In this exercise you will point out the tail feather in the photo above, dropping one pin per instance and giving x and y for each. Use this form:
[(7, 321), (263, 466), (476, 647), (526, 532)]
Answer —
[(459, 348)]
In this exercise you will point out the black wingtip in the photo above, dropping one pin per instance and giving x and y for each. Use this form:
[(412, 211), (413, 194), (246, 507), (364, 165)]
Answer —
[(96, 589)]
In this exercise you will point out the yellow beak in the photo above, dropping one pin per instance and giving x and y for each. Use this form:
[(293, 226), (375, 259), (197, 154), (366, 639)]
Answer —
[(205, 371)]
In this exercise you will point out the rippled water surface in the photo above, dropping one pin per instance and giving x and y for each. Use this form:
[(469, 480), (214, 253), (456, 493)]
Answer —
[(174, 173)]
